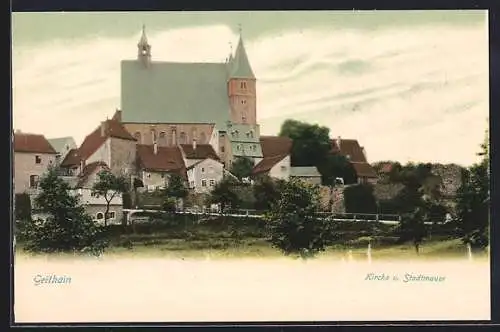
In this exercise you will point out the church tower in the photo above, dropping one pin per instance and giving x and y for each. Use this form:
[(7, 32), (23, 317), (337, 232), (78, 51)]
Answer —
[(144, 49), (242, 87)]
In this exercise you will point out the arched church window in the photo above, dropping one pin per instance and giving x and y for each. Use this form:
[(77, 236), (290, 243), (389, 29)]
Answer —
[(137, 136), (243, 85), (203, 138), (182, 138), (153, 136), (162, 139)]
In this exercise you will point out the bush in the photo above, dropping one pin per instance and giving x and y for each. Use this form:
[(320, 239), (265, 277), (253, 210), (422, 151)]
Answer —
[(68, 228), (23, 207), (292, 224), (360, 199)]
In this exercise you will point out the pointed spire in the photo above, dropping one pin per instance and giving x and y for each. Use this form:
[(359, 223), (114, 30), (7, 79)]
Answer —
[(241, 66), (144, 39), (143, 47)]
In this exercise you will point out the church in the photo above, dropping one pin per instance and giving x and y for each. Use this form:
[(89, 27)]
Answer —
[(174, 103)]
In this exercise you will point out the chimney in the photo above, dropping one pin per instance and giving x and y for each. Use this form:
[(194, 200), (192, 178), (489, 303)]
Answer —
[(103, 128), (194, 144), (155, 148)]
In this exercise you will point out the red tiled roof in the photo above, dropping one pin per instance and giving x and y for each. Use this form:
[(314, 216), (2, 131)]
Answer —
[(94, 141), (168, 159), (202, 151), (386, 168), (266, 164), (273, 146), (32, 143), (88, 170), (72, 158), (351, 148), (364, 170)]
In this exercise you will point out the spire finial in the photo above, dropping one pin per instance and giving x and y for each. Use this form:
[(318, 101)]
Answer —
[(239, 28)]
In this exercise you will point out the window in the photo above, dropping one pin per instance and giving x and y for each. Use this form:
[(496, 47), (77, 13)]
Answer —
[(222, 149), (254, 147), (203, 169), (238, 147), (251, 133), (38, 159), (244, 102), (243, 85), (212, 183), (137, 136), (182, 138), (99, 216), (33, 181), (148, 175), (203, 183), (111, 215)]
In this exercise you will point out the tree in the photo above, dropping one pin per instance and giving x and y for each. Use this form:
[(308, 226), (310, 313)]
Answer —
[(242, 167), (360, 199), (68, 227), (312, 147), (176, 187), (108, 186), (266, 192), (412, 227), (224, 193), (292, 222), (23, 207)]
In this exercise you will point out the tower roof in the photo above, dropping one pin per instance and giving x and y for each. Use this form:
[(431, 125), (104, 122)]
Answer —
[(240, 65), (144, 39)]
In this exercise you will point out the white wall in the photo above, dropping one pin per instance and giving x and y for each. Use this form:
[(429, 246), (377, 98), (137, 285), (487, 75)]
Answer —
[(209, 171), (25, 166), (102, 154), (281, 170), (87, 198)]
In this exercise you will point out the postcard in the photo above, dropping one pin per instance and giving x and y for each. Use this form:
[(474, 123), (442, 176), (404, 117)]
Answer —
[(251, 166)]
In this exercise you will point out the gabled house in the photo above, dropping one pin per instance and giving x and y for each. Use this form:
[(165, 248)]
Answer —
[(204, 167), (109, 143), (276, 153), (155, 164), (95, 205), (62, 145), (33, 154), (356, 155)]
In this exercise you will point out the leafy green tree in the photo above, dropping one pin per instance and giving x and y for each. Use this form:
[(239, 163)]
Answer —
[(176, 188), (242, 167), (312, 147), (224, 193), (108, 186), (360, 199), (412, 228), (293, 224), (266, 192), (68, 227)]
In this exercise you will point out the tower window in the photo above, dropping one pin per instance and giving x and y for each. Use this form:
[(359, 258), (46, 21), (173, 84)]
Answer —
[(243, 85), (243, 101)]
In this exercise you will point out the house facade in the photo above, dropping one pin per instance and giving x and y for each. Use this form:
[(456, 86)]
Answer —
[(356, 155), (276, 157), (156, 163), (33, 155), (204, 175)]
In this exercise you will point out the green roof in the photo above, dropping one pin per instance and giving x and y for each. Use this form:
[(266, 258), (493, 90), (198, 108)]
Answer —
[(240, 65), (304, 171), (169, 92)]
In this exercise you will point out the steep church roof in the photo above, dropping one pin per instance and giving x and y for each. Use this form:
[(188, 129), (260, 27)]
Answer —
[(169, 92), (240, 65)]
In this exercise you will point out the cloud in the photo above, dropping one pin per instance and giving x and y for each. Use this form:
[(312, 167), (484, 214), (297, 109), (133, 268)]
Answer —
[(414, 93)]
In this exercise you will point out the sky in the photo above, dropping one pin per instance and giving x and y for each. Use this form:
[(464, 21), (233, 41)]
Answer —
[(409, 86)]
